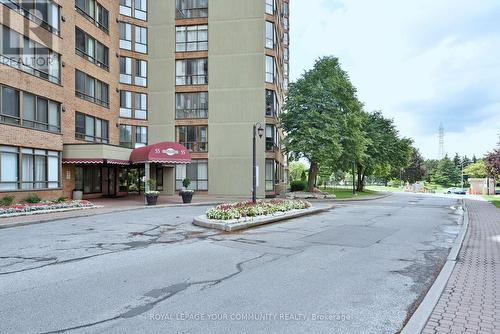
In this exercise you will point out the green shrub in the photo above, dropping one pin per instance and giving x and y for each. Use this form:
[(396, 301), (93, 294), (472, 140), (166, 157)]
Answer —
[(298, 185), (186, 182), (32, 199), (7, 200), (60, 200)]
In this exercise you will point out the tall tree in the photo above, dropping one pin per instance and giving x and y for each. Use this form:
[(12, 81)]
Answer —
[(319, 106), (466, 161), (492, 161), (385, 151), (477, 170), (457, 161), (416, 170), (447, 173), (431, 166)]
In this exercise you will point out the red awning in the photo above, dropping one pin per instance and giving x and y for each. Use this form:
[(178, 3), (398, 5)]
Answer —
[(82, 161), (96, 161), (165, 152)]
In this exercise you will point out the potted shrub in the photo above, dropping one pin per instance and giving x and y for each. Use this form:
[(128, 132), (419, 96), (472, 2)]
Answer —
[(77, 195), (187, 195), (151, 194)]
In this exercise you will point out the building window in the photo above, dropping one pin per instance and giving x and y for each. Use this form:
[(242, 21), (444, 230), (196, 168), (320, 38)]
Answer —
[(191, 38), (22, 53), (286, 9), (270, 175), (191, 105), (191, 72), (270, 7), (44, 13), (187, 9), (91, 89), (285, 54), (270, 137), (141, 73), (271, 103), (141, 9), (37, 112), (94, 12), (285, 38), (92, 50), (126, 7), (285, 23), (9, 106), (270, 69), (133, 136), (270, 35), (141, 136), (133, 71), (40, 169), (91, 129), (88, 179), (126, 136), (134, 8), (41, 114), (126, 70), (194, 138), (139, 40), (196, 171), (133, 105), (9, 160), (125, 36)]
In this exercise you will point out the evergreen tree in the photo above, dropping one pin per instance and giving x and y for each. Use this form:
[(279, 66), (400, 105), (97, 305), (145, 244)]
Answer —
[(447, 174)]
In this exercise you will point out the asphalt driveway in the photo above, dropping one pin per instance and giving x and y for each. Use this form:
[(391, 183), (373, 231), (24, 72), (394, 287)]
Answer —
[(358, 268)]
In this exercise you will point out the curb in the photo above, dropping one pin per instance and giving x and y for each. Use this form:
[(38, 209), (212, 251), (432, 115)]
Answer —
[(90, 214), (420, 317), (228, 227), (363, 199)]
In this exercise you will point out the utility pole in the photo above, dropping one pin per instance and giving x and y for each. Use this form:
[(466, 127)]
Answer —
[(462, 173)]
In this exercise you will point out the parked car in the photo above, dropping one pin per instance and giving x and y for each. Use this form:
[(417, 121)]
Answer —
[(456, 191)]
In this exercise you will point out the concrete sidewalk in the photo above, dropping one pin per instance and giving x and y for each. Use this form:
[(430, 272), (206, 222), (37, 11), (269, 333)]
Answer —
[(470, 303)]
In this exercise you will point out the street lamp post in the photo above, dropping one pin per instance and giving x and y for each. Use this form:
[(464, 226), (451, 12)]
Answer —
[(257, 130)]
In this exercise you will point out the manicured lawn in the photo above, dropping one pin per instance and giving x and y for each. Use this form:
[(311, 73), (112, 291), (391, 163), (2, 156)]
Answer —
[(347, 193), (384, 189), (495, 200)]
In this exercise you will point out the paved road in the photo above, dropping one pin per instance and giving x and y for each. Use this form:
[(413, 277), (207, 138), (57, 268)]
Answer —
[(355, 269)]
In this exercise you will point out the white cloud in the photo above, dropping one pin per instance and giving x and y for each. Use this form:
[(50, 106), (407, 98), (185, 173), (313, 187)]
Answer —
[(421, 62)]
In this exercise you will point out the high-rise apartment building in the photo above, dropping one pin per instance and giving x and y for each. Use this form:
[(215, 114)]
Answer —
[(93, 92)]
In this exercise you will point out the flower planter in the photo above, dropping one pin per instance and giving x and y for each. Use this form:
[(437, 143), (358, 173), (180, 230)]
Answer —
[(77, 195), (151, 199), (187, 196)]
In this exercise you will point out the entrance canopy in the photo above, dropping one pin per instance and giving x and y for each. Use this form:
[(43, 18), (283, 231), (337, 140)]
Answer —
[(165, 153)]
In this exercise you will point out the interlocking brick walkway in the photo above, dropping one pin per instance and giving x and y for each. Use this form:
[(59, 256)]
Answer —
[(470, 302)]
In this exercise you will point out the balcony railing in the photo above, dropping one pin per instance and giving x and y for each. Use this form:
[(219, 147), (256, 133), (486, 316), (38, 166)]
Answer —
[(191, 13), (186, 80), (196, 146), (191, 113), (92, 99), (91, 59)]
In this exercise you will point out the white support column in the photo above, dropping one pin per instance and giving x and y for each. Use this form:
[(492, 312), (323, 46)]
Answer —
[(147, 172)]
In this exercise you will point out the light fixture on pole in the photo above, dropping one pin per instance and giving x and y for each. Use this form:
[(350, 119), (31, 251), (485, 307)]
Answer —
[(257, 130)]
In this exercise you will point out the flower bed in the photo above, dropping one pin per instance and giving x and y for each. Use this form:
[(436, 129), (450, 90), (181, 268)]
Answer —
[(19, 209), (250, 209)]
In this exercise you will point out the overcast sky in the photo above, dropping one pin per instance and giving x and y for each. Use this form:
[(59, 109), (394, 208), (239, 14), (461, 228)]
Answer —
[(422, 62)]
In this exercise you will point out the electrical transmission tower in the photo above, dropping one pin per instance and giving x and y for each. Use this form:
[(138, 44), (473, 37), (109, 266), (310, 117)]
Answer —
[(441, 142)]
